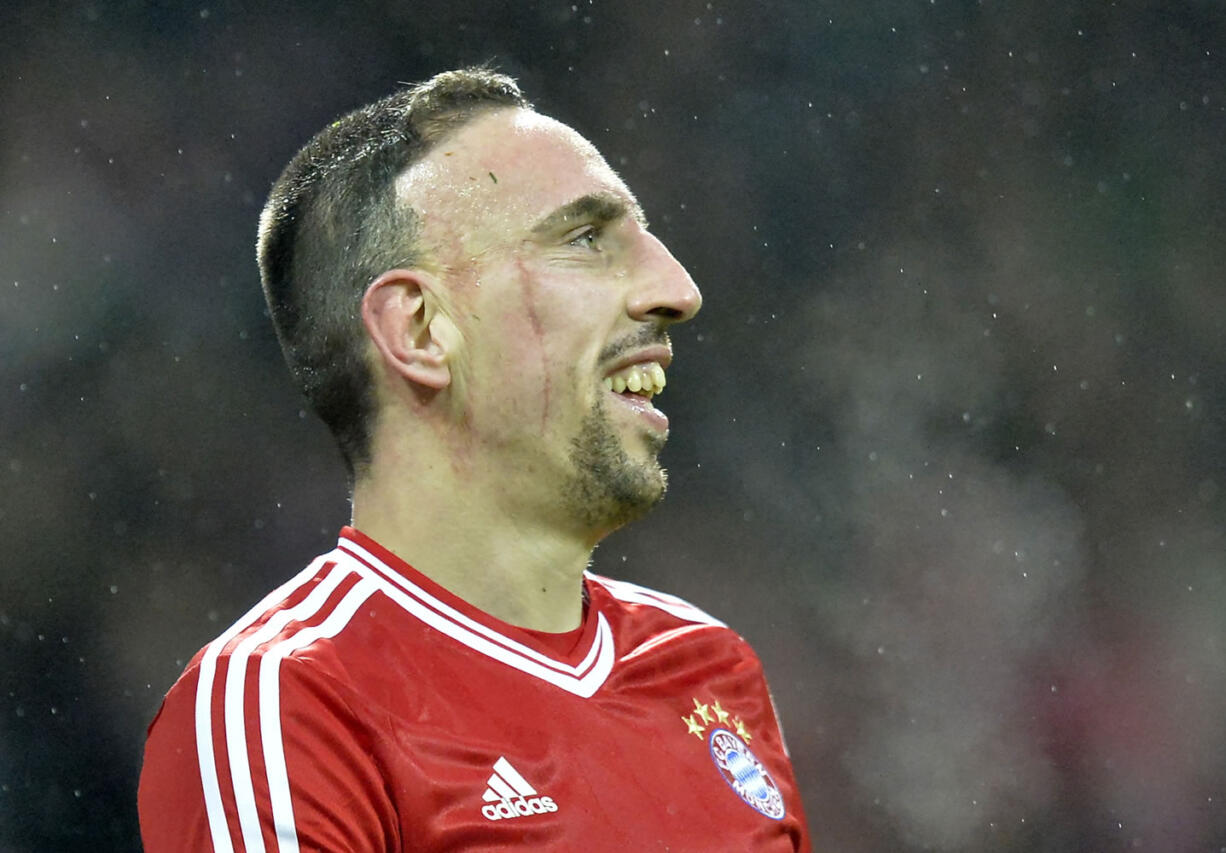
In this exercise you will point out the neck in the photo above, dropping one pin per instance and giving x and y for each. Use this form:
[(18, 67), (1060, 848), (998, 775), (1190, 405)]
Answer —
[(512, 566)]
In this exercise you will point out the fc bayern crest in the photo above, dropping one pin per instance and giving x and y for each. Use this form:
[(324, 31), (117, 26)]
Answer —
[(745, 774)]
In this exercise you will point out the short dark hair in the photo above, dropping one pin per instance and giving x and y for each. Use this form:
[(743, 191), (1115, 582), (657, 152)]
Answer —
[(332, 224)]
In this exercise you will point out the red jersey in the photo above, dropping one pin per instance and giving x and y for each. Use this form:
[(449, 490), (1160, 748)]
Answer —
[(361, 707)]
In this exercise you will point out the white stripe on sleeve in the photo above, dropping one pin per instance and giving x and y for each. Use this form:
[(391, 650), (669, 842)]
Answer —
[(236, 721), (270, 708), (207, 760)]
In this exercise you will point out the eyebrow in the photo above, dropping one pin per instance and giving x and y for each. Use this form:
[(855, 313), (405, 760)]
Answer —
[(593, 207)]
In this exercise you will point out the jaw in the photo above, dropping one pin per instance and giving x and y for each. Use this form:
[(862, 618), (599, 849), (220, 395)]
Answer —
[(612, 484)]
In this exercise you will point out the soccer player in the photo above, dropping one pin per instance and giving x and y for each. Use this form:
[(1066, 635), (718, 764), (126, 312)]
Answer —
[(469, 297)]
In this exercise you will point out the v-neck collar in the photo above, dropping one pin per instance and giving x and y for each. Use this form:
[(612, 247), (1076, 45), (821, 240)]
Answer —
[(582, 671)]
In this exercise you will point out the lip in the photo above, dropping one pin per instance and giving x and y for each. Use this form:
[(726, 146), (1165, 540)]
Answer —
[(643, 410)]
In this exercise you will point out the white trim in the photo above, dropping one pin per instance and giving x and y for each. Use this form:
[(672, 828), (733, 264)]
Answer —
[(236, 679), (635, 594), (583, 679), (219, 829), (270, 708)]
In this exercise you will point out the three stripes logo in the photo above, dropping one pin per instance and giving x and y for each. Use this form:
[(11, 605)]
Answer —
[(510, 796)]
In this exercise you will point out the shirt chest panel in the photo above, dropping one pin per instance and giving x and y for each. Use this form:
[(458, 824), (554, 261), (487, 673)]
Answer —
[(486, 755)]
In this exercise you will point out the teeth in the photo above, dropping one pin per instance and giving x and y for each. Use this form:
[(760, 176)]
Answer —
[(646, 379)]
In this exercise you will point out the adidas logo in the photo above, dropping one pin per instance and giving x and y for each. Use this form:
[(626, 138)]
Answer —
[(509, 795)]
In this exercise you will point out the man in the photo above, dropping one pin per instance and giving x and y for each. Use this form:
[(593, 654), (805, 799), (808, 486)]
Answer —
[(471, 300)]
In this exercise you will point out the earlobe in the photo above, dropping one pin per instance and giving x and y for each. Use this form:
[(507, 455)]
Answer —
[(401, 314)]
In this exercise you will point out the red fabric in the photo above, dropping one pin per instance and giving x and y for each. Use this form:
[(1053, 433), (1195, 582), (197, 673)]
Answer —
[(391, 716)]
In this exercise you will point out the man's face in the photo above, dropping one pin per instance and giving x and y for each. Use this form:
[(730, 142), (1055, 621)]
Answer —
[(562, 299)]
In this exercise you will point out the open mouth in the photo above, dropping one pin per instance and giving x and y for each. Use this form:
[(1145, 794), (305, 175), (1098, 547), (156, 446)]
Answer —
[(634, 386), (645, 379)]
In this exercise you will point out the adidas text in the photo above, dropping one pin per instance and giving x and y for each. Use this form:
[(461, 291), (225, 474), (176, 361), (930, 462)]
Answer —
[(519, 807)]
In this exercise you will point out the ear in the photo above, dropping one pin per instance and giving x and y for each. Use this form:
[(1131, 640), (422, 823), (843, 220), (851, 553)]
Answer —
[(400, 312)]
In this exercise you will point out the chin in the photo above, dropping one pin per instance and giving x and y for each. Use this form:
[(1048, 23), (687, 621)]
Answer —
[(610, 488)]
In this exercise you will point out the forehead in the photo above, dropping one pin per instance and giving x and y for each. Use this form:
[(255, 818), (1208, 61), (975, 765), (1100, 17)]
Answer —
[(502, 173)]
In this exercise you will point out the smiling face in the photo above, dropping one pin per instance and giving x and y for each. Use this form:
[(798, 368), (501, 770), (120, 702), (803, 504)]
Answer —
[(562, 299)]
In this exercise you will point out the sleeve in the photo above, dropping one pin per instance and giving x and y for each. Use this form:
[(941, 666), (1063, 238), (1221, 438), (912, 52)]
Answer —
[(761, 721), (271, 761)]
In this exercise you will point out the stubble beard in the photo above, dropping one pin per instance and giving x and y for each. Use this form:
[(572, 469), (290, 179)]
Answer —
[(609, 488)]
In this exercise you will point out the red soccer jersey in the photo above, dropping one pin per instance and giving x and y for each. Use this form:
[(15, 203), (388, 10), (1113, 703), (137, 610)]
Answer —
[(361, 707)]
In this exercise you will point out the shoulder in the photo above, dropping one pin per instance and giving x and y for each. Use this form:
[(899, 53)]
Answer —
[(646, 602), (301, 618), (667, 641), (264, 697)]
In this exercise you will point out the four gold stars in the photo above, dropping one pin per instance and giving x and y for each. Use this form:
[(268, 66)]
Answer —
[(705, 714)]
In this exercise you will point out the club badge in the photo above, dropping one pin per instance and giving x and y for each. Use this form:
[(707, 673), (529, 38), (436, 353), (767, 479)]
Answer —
[(728, 742)]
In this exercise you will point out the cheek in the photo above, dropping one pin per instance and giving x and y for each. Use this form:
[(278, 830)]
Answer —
[(540, 346), (533, 338), (510, 379)]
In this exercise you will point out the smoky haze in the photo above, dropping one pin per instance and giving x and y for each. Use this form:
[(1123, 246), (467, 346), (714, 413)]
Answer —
[(947, 435)]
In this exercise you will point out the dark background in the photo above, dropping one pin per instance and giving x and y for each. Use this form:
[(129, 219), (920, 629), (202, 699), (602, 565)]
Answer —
[(948, 434)]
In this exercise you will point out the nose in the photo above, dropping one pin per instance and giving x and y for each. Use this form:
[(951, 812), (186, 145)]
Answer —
[(663, 289)]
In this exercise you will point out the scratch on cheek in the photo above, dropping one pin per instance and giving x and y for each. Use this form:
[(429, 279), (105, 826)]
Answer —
[(529, 296)]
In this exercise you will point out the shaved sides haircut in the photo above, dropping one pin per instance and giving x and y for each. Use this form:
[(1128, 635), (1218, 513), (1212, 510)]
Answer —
[(332, 224)]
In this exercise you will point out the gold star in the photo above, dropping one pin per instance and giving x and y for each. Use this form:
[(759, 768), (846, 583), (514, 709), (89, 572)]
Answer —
[(720, 712), (695, 729), (742, 731), (702, 711)]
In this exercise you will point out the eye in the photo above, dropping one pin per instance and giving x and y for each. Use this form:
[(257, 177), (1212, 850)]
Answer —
[(587, 237)]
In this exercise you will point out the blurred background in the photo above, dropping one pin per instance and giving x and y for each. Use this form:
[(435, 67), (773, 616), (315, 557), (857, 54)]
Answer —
[(947, 436)]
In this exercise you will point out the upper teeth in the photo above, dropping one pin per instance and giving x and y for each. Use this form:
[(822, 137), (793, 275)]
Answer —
[(646, 378)]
